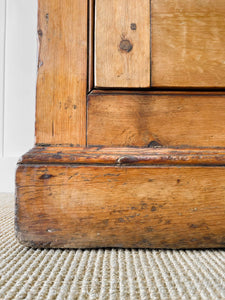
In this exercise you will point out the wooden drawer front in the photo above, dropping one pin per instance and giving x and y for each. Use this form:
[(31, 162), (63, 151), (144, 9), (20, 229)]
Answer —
[(188, 40), (122, 43), (171, 120)]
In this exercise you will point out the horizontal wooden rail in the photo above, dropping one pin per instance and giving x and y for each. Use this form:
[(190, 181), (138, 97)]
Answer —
[(121, 156)]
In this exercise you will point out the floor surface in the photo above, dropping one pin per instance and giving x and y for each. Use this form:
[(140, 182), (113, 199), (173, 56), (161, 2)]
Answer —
[(27, 273)]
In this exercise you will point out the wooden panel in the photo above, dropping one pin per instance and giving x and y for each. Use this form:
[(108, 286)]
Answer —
[(20, 76), (62, 75), (170, 120), (161, 207), (124, 156), (188, 40), (122, 43)]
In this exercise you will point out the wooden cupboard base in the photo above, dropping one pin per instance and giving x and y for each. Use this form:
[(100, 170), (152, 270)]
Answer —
[(122, 203)]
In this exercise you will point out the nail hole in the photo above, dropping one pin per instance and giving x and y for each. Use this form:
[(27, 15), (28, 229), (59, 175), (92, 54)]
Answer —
[(46, 176), (126, 45), (133, 26)]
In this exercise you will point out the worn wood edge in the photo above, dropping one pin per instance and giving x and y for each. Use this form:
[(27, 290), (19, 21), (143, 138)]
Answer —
[(124, 156), (20, 237)]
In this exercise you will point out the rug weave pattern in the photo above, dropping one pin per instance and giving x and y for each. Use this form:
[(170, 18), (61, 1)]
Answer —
[(104, 274)]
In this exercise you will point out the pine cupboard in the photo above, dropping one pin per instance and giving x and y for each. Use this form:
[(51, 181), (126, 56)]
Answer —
[(130, 130)]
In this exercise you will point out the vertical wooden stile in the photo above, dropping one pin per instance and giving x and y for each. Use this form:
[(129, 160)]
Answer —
[(62, 72), (122, 44)]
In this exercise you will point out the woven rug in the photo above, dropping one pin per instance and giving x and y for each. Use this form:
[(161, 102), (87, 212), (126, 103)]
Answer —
[(104, 274)]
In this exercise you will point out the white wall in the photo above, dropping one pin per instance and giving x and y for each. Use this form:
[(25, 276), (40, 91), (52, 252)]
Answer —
[(18, 70)]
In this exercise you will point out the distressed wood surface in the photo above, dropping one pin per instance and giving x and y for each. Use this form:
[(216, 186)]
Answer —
[(146, 207), (62, 72), (147, 197), (188, 39), (170, 120), (122, 43), (124, 156)]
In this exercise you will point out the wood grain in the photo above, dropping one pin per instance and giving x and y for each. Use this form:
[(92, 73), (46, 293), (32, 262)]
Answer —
[(188, 39), (124, 156), (62, 73), (122, 43), (171, 120), (108, 206)]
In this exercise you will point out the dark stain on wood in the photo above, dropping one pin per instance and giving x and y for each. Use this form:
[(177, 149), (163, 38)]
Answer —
[(40, 33), (40, 64), (121, 220), (57, 155), (53, 129), (133, 208), (144, 206), (105, 222), (109, 174), (154, 144), (167, 222), (46, 176), (133, 26), (149, 229), (146, 243), (193, 226), (153, 208)]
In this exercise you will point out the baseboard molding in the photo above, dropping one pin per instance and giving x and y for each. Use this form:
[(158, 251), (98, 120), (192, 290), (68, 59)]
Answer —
[(139, 198)]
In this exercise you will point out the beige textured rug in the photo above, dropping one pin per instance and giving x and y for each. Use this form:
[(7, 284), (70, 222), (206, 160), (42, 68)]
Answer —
[(104, 274)]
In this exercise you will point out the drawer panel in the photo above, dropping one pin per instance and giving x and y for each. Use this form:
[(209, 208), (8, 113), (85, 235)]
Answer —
[(170, 120), (122, 43), (188, 39)]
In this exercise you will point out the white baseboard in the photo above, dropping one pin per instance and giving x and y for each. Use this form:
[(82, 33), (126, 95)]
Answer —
[(7, 174)]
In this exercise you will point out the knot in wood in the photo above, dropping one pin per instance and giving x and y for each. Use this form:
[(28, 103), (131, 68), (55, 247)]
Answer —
[(126, 45)]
